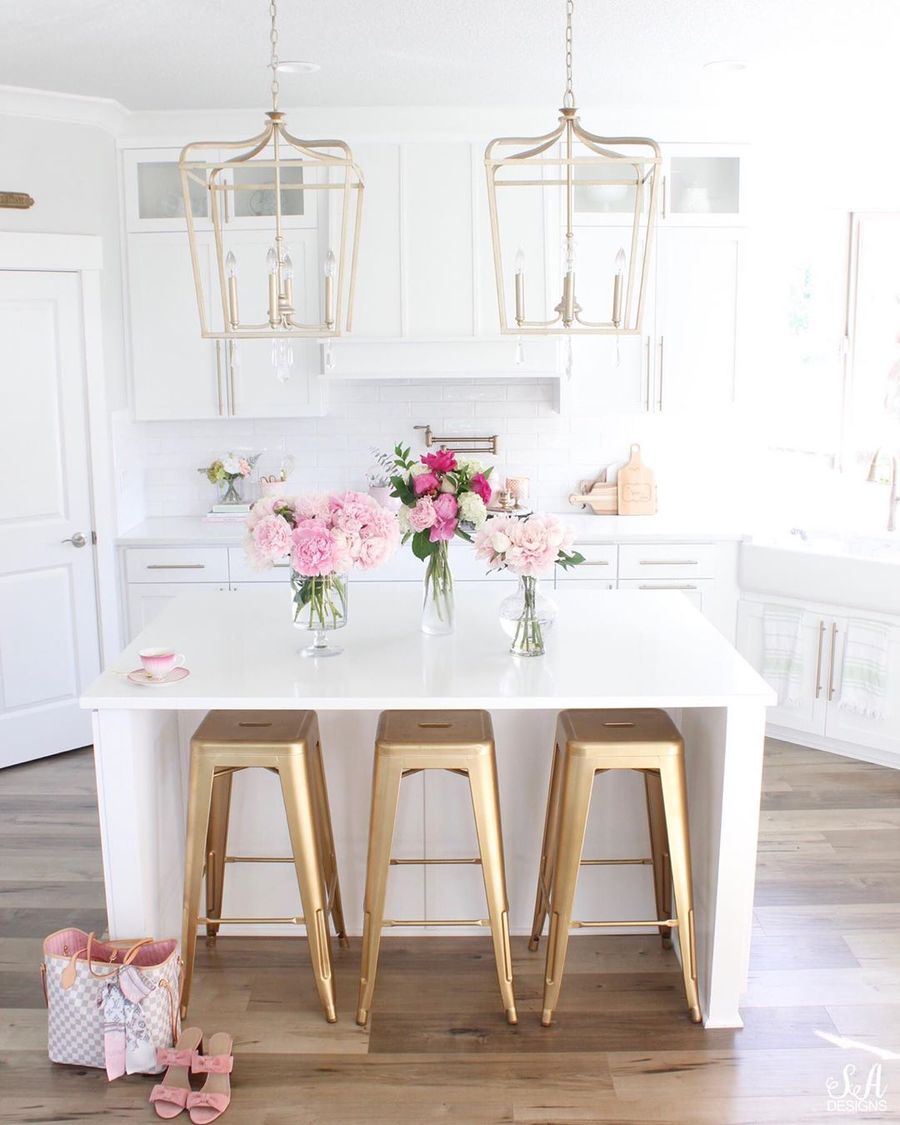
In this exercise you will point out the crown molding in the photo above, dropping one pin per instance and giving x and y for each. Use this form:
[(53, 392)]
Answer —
[(74, 109)]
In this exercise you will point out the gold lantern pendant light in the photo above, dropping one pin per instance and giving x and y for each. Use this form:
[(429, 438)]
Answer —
[(280, 177), (574, 161)]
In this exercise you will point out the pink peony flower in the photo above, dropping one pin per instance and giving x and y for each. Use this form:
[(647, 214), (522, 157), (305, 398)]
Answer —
[(268, 541), (423, 514), (425, 482), (244, 467), (313, 505), (443, 461), (445, 506), (261, 509), (479, 485), (313, 549), (442, 529)]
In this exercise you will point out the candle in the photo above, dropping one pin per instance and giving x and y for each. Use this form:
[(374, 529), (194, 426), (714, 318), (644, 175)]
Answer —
[(520, 285), (288, 275), (518, 487)]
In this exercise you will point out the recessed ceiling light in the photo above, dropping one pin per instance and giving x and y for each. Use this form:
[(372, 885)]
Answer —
[(296, 66), (725, 66)]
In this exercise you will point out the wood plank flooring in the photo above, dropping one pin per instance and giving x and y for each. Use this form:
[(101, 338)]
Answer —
[(825, 967)]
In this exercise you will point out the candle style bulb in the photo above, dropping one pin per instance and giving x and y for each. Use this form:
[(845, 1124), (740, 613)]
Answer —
[(617, 287), (271, 260), (230, 265), (287, 276), (287, 271), (520, 286), (329, 269)]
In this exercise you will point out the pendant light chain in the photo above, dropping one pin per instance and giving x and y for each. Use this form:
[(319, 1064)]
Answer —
[(273, 39), (569, 96)]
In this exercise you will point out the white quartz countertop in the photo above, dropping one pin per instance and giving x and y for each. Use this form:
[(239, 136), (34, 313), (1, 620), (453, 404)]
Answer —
[(610, 648), (191, 531)]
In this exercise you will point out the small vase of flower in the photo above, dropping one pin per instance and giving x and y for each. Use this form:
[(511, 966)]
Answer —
[(324, 536), (441, 498), (529, 548), (228, 474)]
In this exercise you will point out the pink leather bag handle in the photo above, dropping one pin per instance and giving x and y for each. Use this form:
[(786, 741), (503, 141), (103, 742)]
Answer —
[(67, 978)]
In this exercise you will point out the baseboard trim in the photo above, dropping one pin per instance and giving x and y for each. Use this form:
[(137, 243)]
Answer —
[(834, 746)]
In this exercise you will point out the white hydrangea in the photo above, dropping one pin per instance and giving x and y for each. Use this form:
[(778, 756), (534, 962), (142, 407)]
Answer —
[(472, 509), (403, 520), (471, 467)]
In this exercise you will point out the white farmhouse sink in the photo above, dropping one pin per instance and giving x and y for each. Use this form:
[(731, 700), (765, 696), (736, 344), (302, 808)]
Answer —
[(852, 570)]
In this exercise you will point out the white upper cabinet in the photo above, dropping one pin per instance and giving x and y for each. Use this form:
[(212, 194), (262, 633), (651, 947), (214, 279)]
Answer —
[(695, 347), (154, 200), (175, 372), (377, 307)]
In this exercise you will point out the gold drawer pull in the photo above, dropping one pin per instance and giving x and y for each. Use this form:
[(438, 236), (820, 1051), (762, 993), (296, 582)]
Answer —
[(669, 562), (176, 566), (595, 562)]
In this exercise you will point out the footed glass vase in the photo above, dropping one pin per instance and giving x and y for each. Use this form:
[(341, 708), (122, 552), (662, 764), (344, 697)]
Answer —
[(319, 605), (526, 617), (438, 611)]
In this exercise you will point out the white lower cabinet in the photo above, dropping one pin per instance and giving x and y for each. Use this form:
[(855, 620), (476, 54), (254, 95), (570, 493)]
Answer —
[(820, 712), (695, 589), (145, 600)]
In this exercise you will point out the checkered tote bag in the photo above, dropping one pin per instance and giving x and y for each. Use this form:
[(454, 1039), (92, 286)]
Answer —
[(107, 1006)]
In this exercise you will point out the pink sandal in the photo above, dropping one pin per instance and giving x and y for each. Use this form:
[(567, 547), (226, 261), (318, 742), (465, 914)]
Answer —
[(170, 1096), (217, 1061)]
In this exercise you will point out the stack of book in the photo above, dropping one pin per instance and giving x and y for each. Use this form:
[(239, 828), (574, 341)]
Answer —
[(227, 513)]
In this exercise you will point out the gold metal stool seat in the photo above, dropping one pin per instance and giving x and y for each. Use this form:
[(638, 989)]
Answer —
[(592, 742), (408, 742), (286, 743)]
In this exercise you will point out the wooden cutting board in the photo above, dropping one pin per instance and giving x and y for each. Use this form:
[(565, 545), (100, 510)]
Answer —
[(637, 487)]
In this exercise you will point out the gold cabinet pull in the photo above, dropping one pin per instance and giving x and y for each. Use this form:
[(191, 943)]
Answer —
[(659, 381), (219, 378), (176, 566), (667, 586), (834, 633), (669, 562), (819, 659)]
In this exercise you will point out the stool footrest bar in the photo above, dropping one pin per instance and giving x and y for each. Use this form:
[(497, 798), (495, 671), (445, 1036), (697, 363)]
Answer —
[(431, 862), (296, 921), (436, 922), (671, 922), (259, 859), (613, 862)]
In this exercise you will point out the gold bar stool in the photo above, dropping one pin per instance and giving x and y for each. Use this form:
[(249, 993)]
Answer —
[(408, 742), (592, 742), (286, 743)]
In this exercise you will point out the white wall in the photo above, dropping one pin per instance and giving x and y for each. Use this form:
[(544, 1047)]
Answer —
[(70, 170)]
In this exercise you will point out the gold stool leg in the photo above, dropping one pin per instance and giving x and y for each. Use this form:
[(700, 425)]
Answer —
[(575, 799), (675, 798), (486, 806), (548, 852), (296, 789), (659, 849), (385, 795), (326, 838), (200, 786), (216, 845)]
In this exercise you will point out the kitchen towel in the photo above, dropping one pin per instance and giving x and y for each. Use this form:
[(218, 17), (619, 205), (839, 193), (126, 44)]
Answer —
[(864, 670), (782, 658)]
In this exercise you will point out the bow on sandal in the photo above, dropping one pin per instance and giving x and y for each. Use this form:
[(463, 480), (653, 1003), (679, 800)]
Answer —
[(216, 1062), (170, 1096)]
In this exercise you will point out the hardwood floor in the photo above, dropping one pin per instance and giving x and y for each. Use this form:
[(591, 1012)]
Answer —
[(825, 962)]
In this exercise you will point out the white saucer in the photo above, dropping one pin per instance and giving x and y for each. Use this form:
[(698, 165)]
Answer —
[(140, 677)]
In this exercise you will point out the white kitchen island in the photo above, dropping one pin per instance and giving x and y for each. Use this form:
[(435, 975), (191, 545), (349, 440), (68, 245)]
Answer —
[(608, 649)]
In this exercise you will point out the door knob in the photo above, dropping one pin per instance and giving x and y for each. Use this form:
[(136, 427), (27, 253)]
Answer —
[(77, 540)]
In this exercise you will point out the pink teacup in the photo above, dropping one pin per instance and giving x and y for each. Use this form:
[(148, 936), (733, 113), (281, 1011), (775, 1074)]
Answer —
[(159, 662)]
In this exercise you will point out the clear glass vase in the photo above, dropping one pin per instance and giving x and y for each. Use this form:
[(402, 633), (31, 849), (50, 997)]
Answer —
[(319, 605), (526, 617), (438, 611), (230, 490)]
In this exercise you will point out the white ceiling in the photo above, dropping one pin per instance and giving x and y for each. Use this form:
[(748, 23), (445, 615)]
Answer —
[(212, 54)]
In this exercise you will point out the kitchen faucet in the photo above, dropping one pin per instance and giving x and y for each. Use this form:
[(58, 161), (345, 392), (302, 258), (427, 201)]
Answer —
[(876, 476)]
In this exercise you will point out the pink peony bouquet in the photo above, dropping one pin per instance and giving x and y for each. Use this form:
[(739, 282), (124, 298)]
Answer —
[(321, 533), (324, 536), (443, 497), (528, 547)]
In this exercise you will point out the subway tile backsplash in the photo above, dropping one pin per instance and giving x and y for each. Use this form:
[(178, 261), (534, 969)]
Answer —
[(157, 462)]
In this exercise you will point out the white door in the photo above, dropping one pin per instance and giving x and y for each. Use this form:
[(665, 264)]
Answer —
[(49, 645)]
